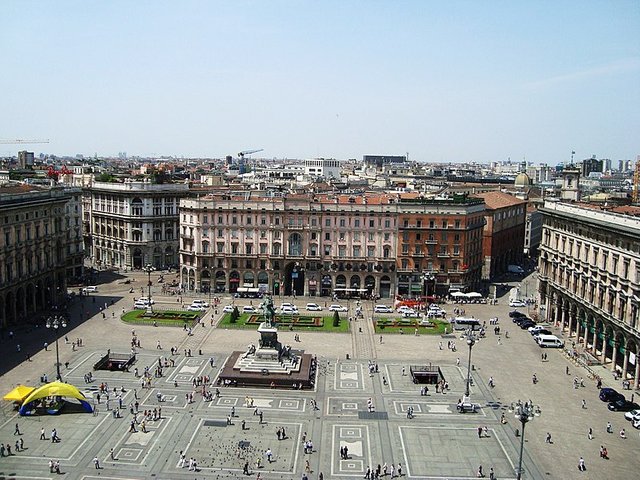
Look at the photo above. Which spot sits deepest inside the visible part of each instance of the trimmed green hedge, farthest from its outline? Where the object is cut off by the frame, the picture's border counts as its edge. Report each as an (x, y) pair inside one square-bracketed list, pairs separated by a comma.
[(311, 323), (409, 325), (162, 317)]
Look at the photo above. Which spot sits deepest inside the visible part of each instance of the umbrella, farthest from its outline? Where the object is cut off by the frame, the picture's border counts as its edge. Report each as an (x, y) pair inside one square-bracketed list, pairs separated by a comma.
[(474, 295), (19, 393), (458, 294)]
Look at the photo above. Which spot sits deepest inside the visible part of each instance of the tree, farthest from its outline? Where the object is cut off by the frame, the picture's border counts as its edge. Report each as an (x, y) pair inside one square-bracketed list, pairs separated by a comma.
[(235, 315), (336, 319)]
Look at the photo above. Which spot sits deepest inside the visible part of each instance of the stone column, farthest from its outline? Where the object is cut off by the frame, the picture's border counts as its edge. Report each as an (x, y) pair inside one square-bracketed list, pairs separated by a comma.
[(595, 338), (625, 363), (614, 354), (603, 354), (636, 380), (563, 318)]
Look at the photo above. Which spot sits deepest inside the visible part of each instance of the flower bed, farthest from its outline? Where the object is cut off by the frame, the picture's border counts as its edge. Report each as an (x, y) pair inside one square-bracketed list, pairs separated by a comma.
[(409, 325), (161, 317)]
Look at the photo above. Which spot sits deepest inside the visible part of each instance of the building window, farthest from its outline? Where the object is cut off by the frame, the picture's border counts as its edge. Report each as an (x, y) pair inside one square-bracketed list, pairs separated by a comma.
[(205, 219), (234, 248), (249, 248), (220, 247), (356, 222), (327, 236), (342, 251), (356, 252), (342, 222)]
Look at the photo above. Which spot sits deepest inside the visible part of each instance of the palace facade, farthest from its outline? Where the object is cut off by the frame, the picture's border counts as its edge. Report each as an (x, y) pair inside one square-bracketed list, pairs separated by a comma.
[(132, 224), (325, 244), (35, 246), (589, 281)]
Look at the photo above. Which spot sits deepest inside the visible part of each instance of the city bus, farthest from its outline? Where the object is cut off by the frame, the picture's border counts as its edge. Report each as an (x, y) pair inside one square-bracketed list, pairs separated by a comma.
[(462, 323)]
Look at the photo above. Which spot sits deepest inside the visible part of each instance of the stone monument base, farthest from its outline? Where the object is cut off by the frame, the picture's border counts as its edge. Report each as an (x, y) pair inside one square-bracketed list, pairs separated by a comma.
[(260, 369)]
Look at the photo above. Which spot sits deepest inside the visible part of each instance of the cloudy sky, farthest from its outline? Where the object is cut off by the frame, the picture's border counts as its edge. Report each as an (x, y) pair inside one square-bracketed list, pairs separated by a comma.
[(442, 80)]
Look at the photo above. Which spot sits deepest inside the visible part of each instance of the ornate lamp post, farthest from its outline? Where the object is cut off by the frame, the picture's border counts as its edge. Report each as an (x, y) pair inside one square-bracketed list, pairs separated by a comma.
[(149, 268), (471, 341), (56, 322), (524, 412)]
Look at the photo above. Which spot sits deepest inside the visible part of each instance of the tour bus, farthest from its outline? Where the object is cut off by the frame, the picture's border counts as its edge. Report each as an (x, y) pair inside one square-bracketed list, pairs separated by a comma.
[(461, 323)]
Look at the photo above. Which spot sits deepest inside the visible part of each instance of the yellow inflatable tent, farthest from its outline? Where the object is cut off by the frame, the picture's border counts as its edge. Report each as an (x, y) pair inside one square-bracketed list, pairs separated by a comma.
[(19, 393), (54, 389)]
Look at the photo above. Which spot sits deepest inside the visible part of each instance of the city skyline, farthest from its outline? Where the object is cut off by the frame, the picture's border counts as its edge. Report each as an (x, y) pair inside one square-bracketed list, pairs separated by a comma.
[(459, 82)]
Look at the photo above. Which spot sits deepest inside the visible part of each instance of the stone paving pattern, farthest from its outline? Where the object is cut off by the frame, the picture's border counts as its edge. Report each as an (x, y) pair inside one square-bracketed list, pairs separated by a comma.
[(436, 443)]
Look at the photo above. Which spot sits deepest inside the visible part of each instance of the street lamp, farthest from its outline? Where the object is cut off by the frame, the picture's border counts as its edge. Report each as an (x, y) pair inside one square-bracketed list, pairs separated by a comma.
[(149, 268), (471, 340), (524, 412), (55, 322)]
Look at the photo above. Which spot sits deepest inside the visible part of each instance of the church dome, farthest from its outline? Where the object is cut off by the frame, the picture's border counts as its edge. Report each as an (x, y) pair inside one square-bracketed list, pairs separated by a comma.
[(522, 180)]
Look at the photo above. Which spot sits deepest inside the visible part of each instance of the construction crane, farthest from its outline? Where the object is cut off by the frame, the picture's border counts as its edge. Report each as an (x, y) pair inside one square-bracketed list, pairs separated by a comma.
[(20, 141), (248, 152)]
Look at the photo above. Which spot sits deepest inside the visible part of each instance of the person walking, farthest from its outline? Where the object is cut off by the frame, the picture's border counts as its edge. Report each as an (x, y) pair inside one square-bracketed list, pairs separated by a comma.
[(42, 435), (17, 430), (581, 465), (548, 438), (96, 463), (590, 434)]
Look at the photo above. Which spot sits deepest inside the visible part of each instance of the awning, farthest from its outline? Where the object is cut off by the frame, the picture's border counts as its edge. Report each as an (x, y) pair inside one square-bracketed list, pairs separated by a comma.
[(19, 393)]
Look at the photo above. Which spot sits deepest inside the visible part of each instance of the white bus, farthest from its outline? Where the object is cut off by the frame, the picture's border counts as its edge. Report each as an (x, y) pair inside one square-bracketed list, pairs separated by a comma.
[(461, 323)]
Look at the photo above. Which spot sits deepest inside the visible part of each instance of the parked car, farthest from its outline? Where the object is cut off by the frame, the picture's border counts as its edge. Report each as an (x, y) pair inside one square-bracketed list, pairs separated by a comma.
[(338, 308), (200, 302), (288, 305), (544, 331), (248, 309), (196, 308), (516, 314), (313, 307), (520, 320), (403, 308), (536, 329), (410, 313), (632, 415), (609, 394), (636, 423), (228, 309), (145, 300), (289, 311), (622, 405), (549, 341), (517, 304), (90, 289), (140, 305), (382, 309), (528, 323)]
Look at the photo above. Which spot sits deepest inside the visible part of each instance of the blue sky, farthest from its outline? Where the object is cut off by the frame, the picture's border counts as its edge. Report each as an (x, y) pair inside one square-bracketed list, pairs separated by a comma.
[(444, 81)]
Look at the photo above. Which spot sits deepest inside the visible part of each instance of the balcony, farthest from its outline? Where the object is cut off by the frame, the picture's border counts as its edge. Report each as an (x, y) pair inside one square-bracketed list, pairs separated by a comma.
[(431, 242)]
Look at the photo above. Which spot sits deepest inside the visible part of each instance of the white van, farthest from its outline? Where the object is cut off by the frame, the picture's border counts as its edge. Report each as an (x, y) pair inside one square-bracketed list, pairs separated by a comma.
[(550, 341)]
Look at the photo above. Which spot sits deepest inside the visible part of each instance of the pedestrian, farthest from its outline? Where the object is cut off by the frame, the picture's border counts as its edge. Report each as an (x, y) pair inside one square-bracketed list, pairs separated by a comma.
[(623, 434), (609, 427), (17, 430), (269, 455), (111, 455), (96, 462), (480, 472), (42, 435), (590, 434), (479, 432), (21, 444), (584, 403), (492, 475), (581, 466)]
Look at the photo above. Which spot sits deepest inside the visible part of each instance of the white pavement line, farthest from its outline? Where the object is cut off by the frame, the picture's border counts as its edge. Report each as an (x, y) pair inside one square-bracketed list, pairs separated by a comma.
[(495, 433), (95, 429), (81, 362), (144, 459), (193, 435)]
